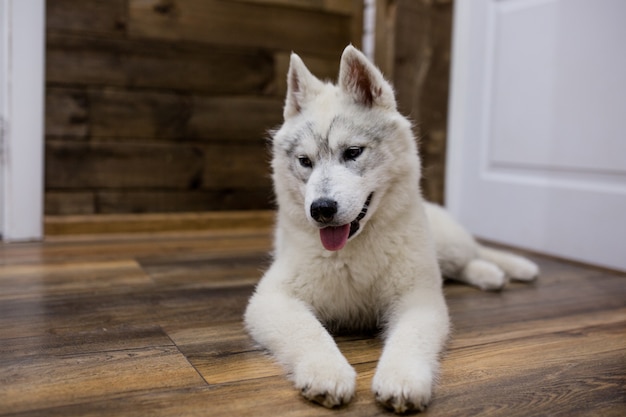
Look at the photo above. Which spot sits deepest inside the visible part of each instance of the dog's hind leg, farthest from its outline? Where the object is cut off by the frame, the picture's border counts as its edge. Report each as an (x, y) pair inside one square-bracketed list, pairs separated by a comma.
[(483, 274), (514, 266)]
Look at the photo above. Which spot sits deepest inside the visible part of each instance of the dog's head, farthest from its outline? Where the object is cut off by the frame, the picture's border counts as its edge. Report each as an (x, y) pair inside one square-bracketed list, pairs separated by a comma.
[(341, 148)]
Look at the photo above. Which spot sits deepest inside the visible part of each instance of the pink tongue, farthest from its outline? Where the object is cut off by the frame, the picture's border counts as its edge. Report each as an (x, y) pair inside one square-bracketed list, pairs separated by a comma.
[(335, 238)]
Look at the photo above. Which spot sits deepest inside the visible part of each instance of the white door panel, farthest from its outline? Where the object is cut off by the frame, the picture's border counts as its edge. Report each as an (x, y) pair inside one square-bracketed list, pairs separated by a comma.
[(537, 134)]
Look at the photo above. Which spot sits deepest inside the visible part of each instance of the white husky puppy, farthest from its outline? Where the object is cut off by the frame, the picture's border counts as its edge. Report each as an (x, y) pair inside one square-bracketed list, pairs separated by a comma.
[(353, 244)]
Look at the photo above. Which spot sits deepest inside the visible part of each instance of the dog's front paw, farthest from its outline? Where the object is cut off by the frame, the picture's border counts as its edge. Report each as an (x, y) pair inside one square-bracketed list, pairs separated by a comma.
[(328, 384), (403, 388)]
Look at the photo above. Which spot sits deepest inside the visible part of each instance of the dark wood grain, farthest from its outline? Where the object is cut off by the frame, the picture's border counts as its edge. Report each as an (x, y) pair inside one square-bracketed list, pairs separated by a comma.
[(150, 324), (422, 33), (70, 202), (104, 18), (164, 105), (103, 61), (176, 201), (238, 24), (112, 113), (131, 165), (169, 166)]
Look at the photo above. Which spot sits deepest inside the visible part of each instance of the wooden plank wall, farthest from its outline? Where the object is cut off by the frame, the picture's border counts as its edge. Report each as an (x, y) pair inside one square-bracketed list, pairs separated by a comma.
[(164, 105), (413, 41), (422, 72)]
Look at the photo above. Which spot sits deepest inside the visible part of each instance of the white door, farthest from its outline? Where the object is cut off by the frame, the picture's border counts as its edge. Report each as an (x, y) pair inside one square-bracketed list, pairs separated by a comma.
[(537, 131)]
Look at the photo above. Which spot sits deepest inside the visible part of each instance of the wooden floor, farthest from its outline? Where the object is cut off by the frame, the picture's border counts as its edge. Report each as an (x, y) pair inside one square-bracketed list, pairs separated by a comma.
[(150, 325)]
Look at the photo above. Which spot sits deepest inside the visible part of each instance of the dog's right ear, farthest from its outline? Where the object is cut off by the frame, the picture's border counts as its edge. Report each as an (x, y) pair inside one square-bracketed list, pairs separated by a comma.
[(302, 86), (362, 81)]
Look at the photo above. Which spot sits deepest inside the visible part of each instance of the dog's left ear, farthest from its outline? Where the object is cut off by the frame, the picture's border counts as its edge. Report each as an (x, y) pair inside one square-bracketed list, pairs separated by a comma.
[(359, 78)]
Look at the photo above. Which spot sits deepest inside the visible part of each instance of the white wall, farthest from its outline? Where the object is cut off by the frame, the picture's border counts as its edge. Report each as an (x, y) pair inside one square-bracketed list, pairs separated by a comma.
[(22, 32)]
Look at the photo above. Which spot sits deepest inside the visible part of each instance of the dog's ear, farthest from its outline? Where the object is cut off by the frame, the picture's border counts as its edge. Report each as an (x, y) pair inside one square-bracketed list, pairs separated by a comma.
[(359, 78), (302, 86)]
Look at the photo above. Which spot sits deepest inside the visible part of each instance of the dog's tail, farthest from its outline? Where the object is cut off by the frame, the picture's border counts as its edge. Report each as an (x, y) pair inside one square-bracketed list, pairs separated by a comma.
[(514, 266)]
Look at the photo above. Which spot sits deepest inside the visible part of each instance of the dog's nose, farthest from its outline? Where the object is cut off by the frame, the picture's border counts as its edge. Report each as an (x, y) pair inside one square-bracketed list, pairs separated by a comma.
[(323, 210)]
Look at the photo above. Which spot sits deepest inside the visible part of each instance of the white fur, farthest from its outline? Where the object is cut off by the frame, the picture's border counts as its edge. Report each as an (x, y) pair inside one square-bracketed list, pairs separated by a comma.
[(387, 275), (463, 259)]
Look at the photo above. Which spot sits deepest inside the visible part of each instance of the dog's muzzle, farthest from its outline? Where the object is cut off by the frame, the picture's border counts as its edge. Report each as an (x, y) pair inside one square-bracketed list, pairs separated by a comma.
[(334, 238)]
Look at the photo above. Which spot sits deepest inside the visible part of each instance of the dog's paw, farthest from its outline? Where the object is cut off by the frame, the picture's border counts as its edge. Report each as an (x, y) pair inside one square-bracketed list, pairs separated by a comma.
[(523, 269), (484, 275), (403, 388), (328, 384)]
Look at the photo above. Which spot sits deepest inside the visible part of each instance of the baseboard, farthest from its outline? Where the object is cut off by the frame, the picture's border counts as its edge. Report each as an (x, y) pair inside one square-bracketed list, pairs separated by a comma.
[(168, 222)]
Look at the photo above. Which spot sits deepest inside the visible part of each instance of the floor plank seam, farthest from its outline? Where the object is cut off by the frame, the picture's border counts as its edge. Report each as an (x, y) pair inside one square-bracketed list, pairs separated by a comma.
[(186, 358)]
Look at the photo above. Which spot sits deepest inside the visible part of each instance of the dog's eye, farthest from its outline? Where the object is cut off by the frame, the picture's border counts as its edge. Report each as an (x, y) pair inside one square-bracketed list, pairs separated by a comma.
[(352, 153), (305, 161)]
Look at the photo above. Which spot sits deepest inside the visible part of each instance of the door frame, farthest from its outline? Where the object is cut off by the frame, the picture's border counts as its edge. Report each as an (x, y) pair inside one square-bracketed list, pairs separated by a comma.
[(464, 119), (22, 72)]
